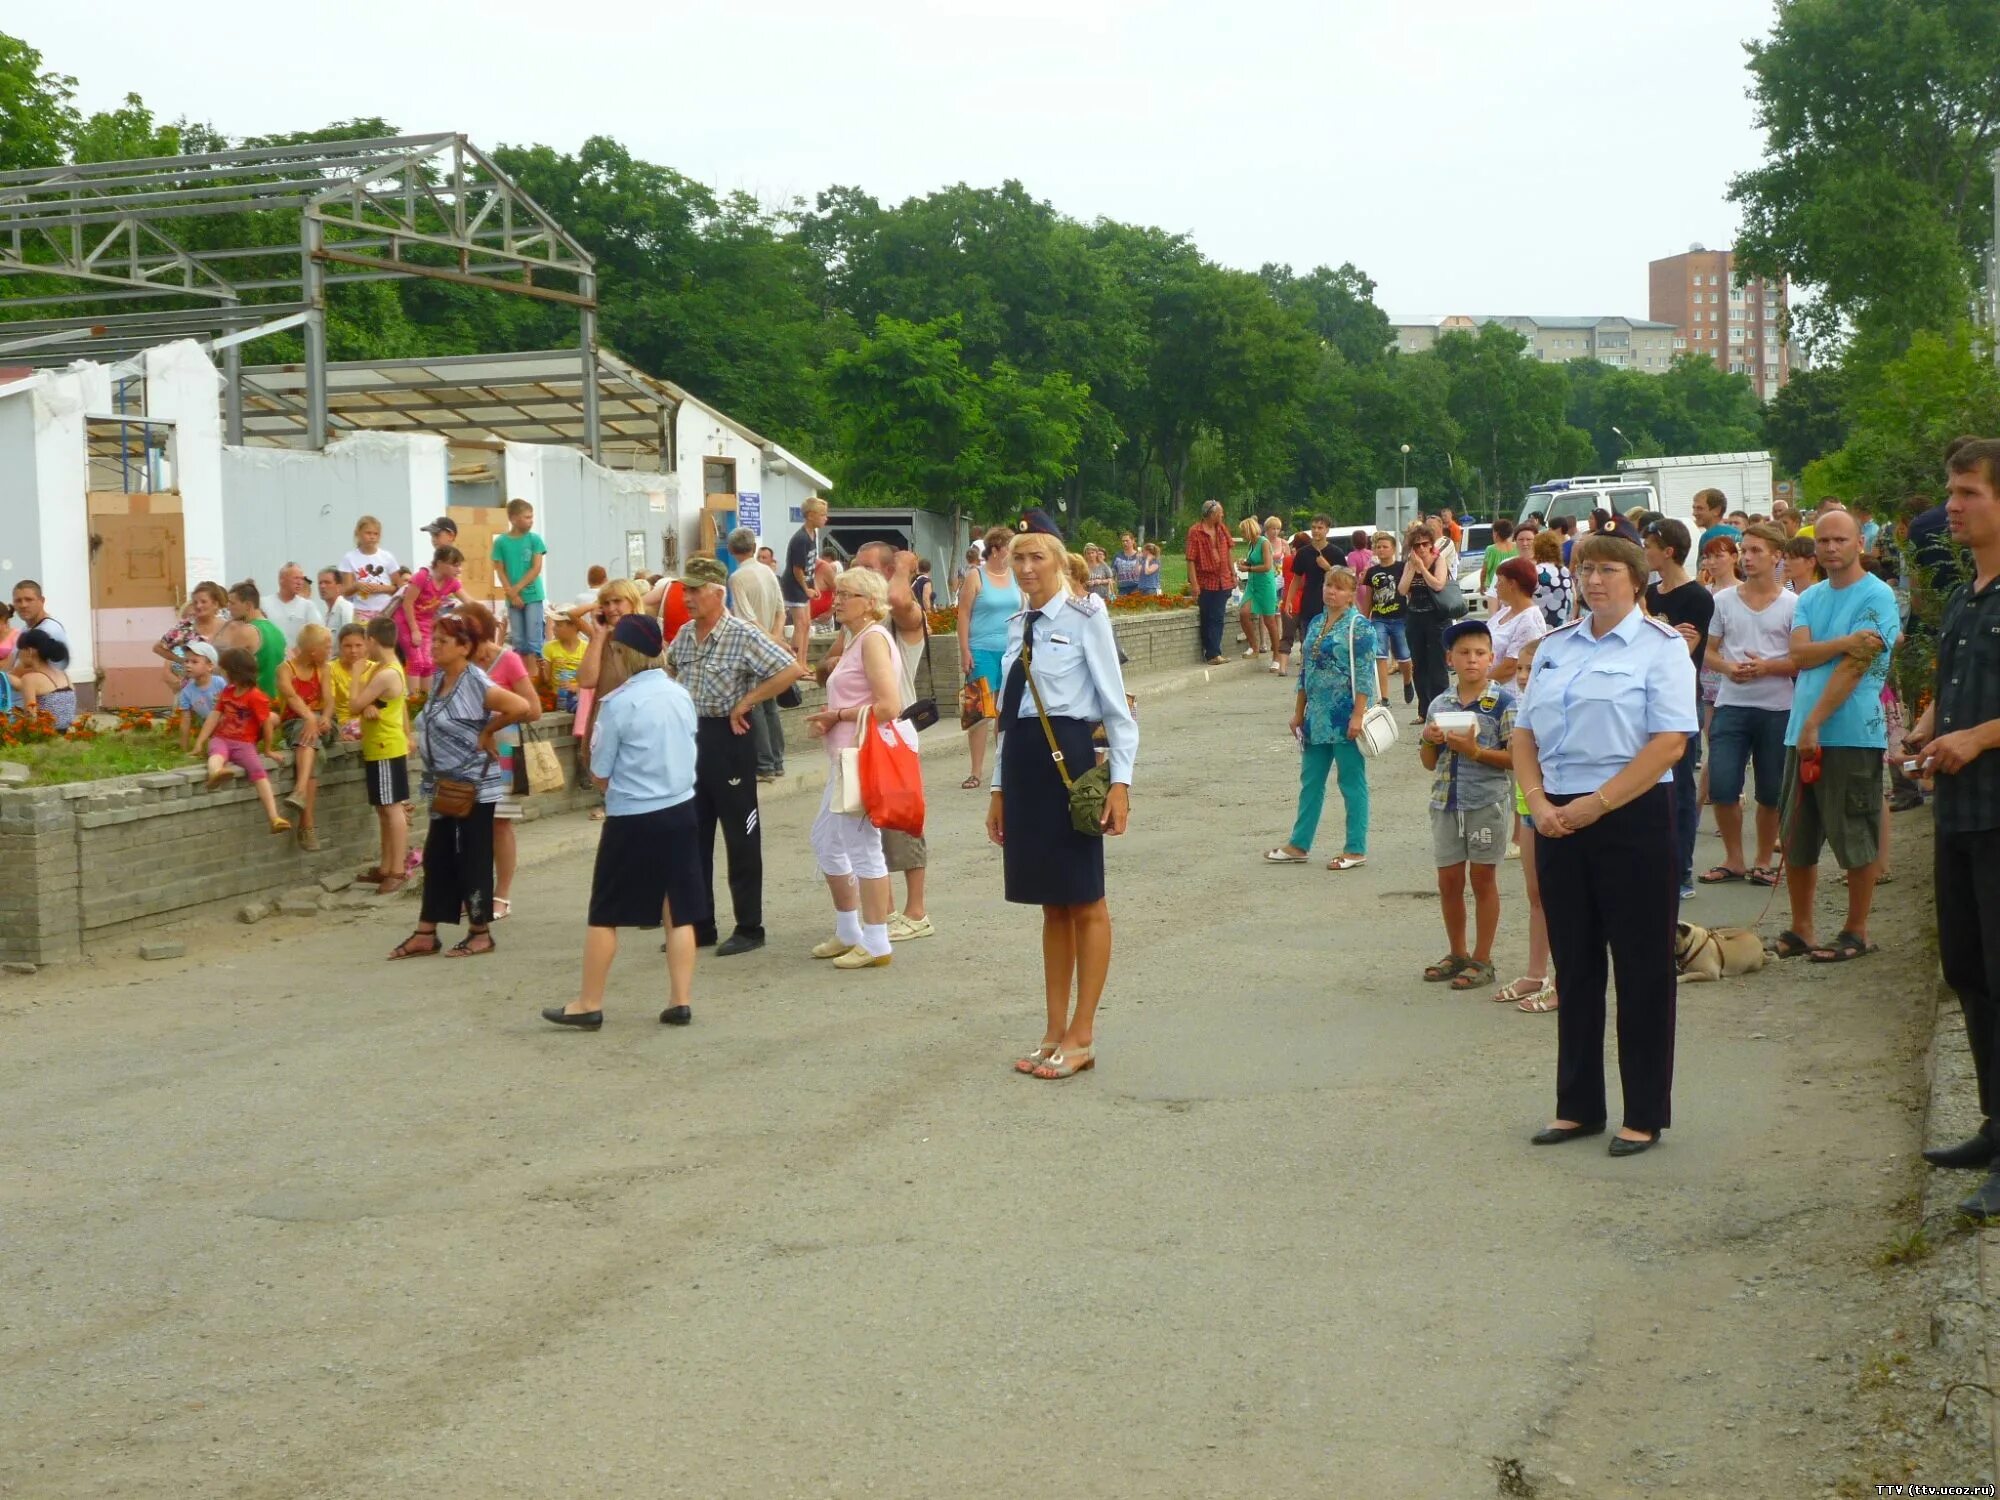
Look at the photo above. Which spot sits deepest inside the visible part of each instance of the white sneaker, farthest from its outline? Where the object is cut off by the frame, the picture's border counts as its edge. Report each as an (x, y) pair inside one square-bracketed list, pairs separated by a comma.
[(901, 928)]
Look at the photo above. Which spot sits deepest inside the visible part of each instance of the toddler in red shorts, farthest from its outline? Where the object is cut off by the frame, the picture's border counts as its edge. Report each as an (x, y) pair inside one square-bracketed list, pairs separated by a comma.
[(233, 729)]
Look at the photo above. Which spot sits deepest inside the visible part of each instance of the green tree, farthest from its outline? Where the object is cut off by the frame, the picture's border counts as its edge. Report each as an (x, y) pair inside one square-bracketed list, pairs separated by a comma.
[(37, 120), (1807, 419), (1510, 412), (124, 133), (1338, 306), (1880, 120), (1904, 415)]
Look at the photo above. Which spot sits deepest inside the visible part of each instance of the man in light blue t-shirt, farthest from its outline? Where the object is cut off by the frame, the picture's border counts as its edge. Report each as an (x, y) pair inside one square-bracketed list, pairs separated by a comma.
[(1843, 632)]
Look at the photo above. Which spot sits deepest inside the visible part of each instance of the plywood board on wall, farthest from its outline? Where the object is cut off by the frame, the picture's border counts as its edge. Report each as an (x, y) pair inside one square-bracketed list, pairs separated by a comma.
[(478, 525)]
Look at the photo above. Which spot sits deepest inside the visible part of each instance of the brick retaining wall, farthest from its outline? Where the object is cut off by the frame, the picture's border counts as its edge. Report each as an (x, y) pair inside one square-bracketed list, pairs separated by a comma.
[(94, 862)]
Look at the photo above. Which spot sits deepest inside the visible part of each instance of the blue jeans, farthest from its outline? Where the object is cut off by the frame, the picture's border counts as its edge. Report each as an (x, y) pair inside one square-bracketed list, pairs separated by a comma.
[(1395, 638), (1213, 604), (1314, 763), (524, 631), (1739, 737)]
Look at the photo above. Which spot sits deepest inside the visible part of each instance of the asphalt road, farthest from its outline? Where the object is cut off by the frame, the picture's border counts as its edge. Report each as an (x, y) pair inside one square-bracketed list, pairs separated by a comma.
[(282, 1220)]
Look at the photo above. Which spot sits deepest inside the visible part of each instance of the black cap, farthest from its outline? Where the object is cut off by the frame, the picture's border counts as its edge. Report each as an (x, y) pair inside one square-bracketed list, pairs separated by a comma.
[(442, 523), (1038, 520)]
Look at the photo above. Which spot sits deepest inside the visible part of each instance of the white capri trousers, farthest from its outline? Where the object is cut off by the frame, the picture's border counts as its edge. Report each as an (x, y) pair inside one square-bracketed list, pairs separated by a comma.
[(846, 843)]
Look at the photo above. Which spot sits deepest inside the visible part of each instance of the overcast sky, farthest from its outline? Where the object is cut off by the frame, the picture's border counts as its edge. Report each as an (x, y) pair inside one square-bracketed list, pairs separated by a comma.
[(1472, 157)]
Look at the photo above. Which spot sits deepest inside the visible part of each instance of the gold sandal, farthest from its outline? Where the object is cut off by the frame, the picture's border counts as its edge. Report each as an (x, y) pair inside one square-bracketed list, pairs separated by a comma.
[(1036, 1058)]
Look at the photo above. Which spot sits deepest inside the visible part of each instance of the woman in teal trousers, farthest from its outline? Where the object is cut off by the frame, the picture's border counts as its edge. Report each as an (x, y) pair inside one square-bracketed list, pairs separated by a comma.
[(1336, 680)]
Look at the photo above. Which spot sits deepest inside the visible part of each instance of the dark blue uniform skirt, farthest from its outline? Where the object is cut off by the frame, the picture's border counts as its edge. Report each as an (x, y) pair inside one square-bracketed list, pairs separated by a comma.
[(1048, 862)]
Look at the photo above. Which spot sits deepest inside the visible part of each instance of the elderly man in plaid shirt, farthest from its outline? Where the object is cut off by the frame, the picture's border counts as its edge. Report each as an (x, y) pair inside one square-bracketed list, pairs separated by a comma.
[(1212, 575), (728, 668)]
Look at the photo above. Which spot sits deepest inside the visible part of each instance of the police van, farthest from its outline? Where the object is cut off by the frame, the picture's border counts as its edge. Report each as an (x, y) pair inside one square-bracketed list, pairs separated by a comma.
[(1577, 497)]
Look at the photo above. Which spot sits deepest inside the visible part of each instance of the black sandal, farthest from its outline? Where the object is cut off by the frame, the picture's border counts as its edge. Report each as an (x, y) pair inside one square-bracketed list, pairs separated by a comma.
[(1790, 945), (463, 947), (404, 950), (1842, 948)]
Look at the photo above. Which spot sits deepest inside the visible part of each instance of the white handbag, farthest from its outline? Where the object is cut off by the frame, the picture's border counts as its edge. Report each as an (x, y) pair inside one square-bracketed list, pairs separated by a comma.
[(1379, 731), (847, 773)]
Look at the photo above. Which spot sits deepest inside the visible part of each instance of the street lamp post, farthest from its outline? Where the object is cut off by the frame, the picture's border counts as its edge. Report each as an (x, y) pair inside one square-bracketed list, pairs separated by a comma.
[(1406, 466), (1629, 444)]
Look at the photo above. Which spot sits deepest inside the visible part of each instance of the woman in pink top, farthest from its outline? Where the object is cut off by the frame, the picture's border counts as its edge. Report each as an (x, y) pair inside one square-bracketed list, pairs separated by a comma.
[(417, 611), (868, 677), (507, 670)]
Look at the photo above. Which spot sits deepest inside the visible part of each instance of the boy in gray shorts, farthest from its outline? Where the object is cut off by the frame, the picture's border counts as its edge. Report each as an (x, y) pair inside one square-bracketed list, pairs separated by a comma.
[(1472, 811)]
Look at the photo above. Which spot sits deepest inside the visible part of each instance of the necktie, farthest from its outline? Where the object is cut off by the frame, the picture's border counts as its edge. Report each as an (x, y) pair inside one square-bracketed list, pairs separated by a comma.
[(1017, 675)]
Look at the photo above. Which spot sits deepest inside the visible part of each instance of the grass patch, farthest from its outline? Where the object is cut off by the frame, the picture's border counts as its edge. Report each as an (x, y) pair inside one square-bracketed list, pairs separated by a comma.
[(1908, 1249), (114, 753)]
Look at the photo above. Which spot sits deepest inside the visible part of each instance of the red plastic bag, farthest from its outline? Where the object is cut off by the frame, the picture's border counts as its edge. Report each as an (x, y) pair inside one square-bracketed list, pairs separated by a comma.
[(892, 777)]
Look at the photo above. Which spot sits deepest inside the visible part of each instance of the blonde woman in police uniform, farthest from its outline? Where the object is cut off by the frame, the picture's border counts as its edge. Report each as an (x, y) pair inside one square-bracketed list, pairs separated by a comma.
[(1609, 707), (1068, 643)]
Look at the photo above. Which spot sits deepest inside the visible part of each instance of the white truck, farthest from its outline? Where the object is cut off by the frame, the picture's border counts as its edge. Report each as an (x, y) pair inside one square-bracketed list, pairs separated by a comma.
[(1745, 478)]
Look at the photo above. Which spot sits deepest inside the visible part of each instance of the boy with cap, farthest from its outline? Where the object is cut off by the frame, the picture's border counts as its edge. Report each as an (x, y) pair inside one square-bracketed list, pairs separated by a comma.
[(1472, 810), (728, 667), (198, 694)]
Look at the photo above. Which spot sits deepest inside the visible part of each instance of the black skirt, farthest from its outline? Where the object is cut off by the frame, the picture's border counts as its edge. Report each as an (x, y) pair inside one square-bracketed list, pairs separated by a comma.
[(1048, 862), (646, 864)]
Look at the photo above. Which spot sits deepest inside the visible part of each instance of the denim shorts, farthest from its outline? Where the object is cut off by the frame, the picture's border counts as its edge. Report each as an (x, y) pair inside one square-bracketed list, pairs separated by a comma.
[(1395, 634), (1737, 736)]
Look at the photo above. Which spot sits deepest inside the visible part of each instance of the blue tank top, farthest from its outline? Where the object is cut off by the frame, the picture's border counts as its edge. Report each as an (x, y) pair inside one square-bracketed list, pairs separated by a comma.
[(992, 607)]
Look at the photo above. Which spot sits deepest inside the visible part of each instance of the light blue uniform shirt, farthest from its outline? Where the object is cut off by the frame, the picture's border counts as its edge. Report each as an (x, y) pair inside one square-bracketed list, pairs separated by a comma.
[(1076, 668), (643, 745), (1825, 612), (1594, 701)]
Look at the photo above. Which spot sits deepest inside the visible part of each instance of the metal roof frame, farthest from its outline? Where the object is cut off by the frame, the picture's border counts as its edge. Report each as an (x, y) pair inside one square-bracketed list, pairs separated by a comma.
[(534, 396), (430, 206)]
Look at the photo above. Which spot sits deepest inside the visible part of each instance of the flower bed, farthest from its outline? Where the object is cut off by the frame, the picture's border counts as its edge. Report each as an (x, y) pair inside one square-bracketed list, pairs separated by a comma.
[(140, 741), (945, 621)]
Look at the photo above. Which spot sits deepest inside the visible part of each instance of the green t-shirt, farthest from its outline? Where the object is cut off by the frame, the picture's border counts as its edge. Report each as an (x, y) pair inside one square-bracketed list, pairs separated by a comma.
[(517, 554), (270, 655), (1490, 563)]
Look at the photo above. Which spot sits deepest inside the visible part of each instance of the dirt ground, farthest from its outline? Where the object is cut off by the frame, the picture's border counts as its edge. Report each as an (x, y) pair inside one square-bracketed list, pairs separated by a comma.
[(281, 1220)]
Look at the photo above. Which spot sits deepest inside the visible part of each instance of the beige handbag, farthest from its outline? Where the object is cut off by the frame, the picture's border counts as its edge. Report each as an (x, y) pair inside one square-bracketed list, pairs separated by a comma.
[(545, 772), (847, 773)]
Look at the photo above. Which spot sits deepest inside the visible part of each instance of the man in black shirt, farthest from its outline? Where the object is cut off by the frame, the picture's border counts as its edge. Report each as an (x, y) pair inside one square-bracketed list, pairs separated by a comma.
[(795, 583), (1312, 559), (1957, 741), (1686, 604)]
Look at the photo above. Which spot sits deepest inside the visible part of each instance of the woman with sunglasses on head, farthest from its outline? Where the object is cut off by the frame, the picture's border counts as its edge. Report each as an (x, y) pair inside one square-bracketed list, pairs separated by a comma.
[(1607, 715), (1425, 573)]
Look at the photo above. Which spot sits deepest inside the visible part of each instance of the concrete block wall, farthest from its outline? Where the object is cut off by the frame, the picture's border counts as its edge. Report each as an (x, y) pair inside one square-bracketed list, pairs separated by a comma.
[(85, 866)]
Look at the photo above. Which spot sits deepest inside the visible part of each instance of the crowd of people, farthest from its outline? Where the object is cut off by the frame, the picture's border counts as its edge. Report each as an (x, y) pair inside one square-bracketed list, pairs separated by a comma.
[(1626, 674), (1621, 678)]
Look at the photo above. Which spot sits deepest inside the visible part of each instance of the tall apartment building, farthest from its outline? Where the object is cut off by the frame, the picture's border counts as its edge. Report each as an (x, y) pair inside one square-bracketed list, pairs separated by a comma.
[(1624, 343), (1736, 326)]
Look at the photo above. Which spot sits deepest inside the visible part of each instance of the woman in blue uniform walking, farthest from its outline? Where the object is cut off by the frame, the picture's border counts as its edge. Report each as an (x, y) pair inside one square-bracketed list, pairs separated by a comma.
[(1065, 644)]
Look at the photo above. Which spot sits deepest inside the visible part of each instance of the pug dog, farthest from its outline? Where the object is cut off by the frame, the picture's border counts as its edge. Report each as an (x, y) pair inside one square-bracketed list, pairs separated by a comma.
[(1719, 953)]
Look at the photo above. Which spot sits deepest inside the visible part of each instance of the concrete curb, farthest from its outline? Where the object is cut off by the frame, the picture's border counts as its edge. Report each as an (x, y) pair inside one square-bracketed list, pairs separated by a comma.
[(573, 832), (1968, 1265)]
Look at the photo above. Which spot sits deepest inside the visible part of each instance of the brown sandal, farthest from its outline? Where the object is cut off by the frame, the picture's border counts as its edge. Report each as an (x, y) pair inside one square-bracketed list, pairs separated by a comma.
[(464, 948), (404, 950)]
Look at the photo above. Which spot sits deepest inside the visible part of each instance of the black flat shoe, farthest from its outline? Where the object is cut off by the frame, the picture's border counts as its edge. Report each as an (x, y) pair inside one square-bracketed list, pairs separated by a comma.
[(1555, 1135), (1984, 1203), (584, 1020), (739, 942), (1975, 1152), (677, 1015), (1622, 1147)]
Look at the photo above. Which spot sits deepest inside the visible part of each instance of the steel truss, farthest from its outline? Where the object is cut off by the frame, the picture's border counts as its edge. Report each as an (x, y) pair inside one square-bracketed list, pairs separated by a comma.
[(197, 233)]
